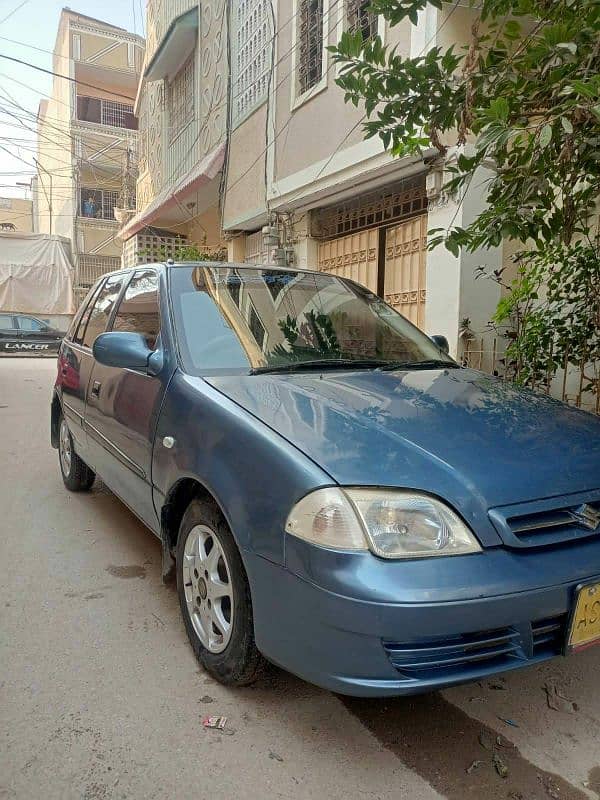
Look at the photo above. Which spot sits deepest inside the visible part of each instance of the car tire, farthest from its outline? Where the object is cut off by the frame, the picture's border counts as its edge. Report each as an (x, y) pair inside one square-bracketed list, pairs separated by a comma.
[(214, 595), (76, 474)]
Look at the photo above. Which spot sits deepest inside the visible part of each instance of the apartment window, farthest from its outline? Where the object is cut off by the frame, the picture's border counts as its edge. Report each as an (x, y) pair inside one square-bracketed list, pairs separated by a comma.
[(253, 41), (98, 203), (359, 18), (105, 112), (309, 44), (181, 98)]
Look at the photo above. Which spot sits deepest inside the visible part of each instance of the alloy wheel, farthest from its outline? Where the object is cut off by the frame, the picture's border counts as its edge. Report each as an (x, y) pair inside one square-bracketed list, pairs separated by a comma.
[(208, 588), (65, 448)]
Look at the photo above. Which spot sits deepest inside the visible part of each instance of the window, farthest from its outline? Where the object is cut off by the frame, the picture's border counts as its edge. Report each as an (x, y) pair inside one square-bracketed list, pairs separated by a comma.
[(102, 308), (138, 311), (181, 98), (98, 203), (30, 324), (6, 322), (359, 18), (310, 44), (106, 112), (253, 41)]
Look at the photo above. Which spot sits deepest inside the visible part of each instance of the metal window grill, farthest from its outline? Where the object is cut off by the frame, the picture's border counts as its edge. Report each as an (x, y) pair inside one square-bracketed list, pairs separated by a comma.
[(181, 98), (359, 18), (90, 268), (115, 114), (252, 63), (398, 201), (310, 44), (98, 203)]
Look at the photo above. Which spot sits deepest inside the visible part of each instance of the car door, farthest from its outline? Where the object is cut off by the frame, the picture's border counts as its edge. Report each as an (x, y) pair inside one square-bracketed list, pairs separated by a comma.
[(123, 404), (75, 361), (36, 335)]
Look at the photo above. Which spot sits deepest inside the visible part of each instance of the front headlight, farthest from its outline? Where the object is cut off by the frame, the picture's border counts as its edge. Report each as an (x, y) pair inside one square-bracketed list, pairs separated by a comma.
[(391, 523)]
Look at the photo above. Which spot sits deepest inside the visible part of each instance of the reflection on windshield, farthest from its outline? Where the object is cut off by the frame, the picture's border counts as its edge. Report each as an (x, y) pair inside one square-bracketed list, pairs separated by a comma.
[(230, 318)]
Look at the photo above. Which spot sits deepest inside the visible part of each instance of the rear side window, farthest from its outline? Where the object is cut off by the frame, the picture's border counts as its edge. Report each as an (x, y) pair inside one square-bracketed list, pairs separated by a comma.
[(102, 308), (6, 322), (138, 311)]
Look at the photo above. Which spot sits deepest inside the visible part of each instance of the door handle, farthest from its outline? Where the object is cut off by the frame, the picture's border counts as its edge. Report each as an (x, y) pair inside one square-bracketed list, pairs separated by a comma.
[(96, 389)]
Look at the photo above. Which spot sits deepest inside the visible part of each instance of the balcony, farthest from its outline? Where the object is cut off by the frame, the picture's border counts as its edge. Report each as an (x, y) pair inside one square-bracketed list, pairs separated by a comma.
[(110, 113)]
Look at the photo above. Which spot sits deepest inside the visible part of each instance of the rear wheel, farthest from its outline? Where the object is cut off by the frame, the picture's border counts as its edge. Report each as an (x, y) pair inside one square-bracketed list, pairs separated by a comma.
[(214, 596), (77, 476)]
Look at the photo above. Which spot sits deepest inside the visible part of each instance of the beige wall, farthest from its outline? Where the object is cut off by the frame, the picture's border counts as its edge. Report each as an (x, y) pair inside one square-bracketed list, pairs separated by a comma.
[(247, 197), (322, 124), (18, 212)]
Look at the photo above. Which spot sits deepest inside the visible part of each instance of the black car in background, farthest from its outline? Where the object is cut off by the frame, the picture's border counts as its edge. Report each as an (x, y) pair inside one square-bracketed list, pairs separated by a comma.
[(22, 334)]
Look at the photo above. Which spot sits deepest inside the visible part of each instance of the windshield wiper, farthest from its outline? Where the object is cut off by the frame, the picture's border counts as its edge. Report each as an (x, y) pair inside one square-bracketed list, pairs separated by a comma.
[(432, 363), (322, 364)]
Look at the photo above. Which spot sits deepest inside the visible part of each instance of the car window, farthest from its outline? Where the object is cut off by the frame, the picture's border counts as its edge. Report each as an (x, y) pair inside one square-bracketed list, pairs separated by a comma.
[(102, 308), (138, 311), (30, 324), (6, 322)]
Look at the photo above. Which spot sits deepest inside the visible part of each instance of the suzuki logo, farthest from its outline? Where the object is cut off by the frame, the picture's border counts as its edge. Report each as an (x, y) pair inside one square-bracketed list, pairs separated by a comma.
[(588, 516)]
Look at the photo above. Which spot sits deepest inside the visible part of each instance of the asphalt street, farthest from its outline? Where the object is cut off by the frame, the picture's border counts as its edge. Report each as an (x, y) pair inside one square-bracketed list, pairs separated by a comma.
[(101, 696)]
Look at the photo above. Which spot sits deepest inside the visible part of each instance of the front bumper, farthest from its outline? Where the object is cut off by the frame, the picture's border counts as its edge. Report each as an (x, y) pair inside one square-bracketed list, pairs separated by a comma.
[(333, 635)]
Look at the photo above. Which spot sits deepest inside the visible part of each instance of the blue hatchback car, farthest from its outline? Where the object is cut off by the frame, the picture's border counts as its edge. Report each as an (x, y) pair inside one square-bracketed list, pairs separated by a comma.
[(334, 493)]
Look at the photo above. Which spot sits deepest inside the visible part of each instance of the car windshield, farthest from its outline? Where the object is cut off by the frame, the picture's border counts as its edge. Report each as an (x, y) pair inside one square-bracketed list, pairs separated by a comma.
[(232, 319)]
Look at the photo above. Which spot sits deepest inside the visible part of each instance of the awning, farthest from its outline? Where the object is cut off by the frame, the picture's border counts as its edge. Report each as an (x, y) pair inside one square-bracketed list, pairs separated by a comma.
[(175, 48), (201, 174)]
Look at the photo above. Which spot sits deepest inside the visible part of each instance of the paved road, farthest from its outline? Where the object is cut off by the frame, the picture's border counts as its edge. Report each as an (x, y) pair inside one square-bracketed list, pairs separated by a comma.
[(101, 696)]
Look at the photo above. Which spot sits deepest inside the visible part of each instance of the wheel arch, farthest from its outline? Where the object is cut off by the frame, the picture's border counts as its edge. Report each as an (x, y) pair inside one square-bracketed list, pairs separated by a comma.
[(177, 500)]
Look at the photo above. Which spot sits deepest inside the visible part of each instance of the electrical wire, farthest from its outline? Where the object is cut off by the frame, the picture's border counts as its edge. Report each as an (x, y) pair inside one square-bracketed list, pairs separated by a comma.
[(63, 77)]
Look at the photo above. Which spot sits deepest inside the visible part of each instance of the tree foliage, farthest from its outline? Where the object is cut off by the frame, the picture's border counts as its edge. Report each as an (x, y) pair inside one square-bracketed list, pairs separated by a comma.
[(521, 97)]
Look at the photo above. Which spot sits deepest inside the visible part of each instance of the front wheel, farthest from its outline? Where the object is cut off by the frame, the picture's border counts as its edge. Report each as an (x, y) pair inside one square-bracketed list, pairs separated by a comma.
[(76, 474), (214, 596)]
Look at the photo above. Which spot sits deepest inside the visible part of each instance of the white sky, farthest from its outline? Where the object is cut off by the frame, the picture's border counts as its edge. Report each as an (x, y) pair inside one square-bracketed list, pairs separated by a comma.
[(34, 23)]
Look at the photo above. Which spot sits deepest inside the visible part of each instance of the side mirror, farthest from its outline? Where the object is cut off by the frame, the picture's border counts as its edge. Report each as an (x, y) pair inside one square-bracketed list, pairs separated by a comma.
[(127, 351), (441, 342)]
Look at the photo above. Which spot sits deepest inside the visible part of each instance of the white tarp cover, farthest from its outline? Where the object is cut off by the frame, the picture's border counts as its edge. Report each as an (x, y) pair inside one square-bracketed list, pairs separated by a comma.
[(35, 274)]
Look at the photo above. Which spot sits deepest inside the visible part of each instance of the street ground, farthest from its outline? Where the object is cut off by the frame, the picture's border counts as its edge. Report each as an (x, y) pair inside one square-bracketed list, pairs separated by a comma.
[(101, 696)]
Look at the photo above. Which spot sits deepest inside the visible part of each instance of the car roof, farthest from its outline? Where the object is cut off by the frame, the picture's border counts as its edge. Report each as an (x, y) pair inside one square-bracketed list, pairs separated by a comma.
[(170, 264)]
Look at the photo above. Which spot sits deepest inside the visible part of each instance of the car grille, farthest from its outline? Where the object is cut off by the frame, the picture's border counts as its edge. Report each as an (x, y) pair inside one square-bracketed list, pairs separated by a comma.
[(548, 635), (476, 653), (543, 523)]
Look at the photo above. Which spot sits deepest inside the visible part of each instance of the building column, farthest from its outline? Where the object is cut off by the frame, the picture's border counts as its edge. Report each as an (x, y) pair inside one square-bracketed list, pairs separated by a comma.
[(453, 291), (306, 249)]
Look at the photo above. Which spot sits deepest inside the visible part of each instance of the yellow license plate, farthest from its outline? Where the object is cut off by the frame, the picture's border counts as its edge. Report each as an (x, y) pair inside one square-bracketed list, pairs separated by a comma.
[(585, 620)]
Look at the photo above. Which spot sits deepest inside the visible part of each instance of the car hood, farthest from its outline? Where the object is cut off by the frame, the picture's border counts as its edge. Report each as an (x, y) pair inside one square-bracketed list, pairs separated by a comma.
[(456, 433)]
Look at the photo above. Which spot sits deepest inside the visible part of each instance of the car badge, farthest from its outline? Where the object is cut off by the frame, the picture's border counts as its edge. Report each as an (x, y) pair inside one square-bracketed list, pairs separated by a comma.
[(588, 516)]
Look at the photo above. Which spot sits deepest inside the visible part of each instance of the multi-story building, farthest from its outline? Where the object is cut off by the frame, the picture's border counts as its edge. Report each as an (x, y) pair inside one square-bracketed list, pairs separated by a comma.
[(305, 187), (182, 105), (87, 141)]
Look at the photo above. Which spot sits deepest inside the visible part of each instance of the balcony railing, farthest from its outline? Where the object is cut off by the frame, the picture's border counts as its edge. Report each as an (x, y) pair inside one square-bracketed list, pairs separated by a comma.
[(106, 112)]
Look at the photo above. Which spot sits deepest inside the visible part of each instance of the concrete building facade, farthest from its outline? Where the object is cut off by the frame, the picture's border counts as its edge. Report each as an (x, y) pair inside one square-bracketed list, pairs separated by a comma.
[(87, 141), (16, 214), (182, 104)]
